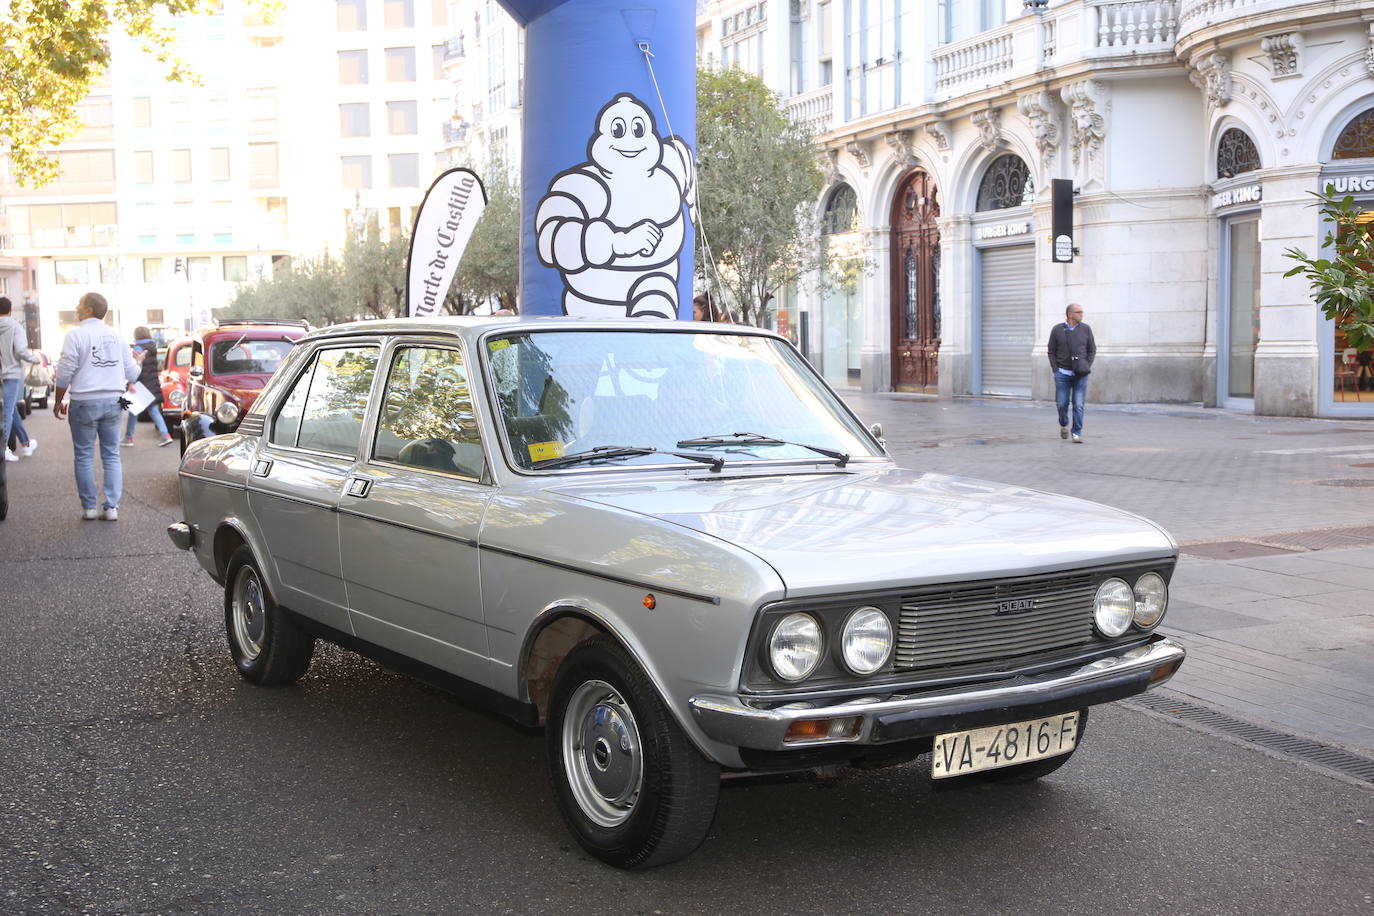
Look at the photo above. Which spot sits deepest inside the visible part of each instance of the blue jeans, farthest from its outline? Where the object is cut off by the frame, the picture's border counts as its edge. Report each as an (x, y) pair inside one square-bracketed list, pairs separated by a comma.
[(12, 388), (1066, 386), (17, 427), (92, 420), (155, 411)]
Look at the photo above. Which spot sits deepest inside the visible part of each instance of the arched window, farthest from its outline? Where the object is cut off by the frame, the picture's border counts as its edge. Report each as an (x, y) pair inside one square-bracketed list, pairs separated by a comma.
[(1236, 153), (1006, 184), (841, 211), (1357, 140)]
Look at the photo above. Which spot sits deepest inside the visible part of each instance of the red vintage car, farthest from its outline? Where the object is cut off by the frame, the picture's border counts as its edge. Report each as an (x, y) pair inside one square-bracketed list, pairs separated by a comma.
[(217, 372)]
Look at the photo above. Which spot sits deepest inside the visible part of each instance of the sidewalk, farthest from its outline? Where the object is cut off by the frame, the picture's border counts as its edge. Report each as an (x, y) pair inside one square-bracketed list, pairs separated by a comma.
[(1274, 593)]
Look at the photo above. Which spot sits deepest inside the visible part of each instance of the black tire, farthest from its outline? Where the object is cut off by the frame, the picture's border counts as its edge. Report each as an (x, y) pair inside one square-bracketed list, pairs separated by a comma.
[(267, 646), (631, 787), (1029, 772), (41, 403)]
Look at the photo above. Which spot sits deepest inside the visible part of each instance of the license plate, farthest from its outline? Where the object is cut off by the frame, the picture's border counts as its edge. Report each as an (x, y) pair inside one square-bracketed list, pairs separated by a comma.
[(959, 753)]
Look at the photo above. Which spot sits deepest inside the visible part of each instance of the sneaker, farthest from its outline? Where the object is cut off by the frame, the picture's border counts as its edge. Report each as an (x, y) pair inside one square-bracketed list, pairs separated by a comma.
[(109, 514), (90, 514), (1077, 439), (27, 450), (1063, 432), (10, 456), (166, 440), (127, 442)]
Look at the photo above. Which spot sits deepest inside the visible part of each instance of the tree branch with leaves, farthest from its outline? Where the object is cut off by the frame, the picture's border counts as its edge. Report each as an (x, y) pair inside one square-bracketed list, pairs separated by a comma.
[(1343, 282)]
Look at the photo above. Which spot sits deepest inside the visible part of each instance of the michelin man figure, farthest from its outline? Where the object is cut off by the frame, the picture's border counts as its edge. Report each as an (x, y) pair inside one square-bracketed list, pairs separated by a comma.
[(614, 225)]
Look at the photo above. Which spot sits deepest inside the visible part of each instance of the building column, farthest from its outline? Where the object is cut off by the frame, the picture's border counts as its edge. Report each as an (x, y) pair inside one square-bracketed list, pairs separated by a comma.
[(956, 305), (876, 359), (1286, 357)]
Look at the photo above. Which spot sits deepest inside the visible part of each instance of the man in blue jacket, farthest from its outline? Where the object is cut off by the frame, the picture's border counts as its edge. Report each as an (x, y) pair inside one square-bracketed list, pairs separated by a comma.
[(1072, 351)]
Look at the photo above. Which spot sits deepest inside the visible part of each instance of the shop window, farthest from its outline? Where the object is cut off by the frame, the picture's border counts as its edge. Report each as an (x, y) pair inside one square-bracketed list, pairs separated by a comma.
[(841, 212), (1006, 184), (1236, 154), (1357, 140)]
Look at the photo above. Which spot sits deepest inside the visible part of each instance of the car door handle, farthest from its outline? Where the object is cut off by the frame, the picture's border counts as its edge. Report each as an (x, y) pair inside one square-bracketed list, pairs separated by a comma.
[(262, 467), (359, 487)]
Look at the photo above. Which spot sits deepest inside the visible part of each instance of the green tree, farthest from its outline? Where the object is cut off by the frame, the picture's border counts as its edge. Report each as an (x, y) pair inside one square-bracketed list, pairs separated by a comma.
[(1343, 283), (490, 268), (53, 52), (758, 179)]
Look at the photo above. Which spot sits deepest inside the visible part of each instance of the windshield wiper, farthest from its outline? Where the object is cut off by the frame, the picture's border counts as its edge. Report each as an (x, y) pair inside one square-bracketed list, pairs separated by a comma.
[(602, 452), (841, 458)]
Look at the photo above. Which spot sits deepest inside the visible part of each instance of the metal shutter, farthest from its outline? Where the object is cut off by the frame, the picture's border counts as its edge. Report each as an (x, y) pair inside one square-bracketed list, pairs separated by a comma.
[(1008, 320)]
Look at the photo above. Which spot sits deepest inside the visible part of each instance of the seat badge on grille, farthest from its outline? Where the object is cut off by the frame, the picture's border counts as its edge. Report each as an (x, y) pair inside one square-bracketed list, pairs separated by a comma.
[(1015, 606)]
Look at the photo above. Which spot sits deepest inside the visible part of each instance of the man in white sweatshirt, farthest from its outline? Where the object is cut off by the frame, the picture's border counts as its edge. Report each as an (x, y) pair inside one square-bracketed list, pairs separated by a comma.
[(96, 368), (14, 352)]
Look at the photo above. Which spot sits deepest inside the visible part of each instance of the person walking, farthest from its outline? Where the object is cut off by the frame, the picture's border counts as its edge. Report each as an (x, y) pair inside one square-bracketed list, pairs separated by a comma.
[(145, 354), (13, 354), (96, 368), (1072, 351)]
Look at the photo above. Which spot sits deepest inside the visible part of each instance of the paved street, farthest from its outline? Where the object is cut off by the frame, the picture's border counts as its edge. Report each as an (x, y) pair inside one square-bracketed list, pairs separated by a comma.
[(140, 774)]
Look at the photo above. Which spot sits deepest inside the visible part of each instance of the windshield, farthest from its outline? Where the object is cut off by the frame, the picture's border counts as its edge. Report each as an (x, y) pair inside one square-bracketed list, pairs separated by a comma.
[(568, 392), (234, 356)]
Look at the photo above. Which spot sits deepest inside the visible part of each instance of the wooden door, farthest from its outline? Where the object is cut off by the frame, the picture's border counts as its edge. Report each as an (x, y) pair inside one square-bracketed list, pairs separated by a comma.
[(915, 285)]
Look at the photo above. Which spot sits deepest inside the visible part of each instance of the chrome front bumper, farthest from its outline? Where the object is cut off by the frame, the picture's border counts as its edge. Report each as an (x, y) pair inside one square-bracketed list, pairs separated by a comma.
[(914, 715)]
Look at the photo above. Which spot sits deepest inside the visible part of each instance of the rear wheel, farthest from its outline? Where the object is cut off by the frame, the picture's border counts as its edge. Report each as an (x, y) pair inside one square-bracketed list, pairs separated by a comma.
[(1029, 772), (632, 788), (268, 647)]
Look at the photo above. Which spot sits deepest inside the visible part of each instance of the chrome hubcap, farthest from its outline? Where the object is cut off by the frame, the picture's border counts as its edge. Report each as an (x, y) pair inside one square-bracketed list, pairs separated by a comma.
[(602, 756), (249, 613)]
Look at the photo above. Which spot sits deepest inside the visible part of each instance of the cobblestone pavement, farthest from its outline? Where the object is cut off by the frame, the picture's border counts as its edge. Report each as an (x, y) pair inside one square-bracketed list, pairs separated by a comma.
[(1276, 516)]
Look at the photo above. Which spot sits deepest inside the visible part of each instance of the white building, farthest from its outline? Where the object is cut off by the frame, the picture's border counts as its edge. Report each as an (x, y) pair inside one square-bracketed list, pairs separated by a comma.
[(1193, 132), (486, 66), (175, 194)]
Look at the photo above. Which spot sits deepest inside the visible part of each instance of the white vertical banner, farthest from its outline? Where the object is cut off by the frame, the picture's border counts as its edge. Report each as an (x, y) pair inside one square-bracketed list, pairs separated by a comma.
[(442, 229)]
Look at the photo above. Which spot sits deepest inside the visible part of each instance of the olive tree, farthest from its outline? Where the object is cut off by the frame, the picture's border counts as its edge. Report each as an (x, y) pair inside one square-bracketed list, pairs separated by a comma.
[(758, 180)]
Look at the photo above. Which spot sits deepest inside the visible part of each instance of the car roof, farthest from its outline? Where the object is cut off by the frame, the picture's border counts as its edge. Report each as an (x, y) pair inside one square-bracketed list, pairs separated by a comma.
[(472, 326)]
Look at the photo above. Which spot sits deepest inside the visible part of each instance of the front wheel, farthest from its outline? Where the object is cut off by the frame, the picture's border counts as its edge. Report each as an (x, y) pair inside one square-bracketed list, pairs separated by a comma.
[(268, 647), (1029, 772), (632, 788)]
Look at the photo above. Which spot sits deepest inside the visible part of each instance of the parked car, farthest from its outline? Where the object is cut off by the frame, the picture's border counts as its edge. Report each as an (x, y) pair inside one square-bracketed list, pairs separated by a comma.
[(673, 546), (39, 381), (175, 379), (229, 364)]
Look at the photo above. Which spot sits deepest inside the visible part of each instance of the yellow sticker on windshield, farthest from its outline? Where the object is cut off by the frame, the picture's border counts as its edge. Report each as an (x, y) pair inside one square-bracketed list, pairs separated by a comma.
[(498, 344), (539, 451)]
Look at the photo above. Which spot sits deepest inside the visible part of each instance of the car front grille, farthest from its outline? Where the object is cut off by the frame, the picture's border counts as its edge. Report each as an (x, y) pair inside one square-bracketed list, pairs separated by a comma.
[(983, 621)]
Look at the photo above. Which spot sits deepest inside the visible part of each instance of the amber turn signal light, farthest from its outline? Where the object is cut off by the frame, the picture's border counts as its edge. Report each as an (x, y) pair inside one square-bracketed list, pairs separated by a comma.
[(649, 602), (822, 729)]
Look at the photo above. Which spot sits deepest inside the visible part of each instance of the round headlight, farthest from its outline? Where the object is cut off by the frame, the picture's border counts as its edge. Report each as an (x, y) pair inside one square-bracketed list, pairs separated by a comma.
[(227, 412), (1113, 607), (1151, 598), (794, 649), (177, 397), (867, 641)]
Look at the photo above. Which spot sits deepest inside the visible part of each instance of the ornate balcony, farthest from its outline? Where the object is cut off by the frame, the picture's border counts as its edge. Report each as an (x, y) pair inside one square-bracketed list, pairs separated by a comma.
[(814, 109), (1097, 31)]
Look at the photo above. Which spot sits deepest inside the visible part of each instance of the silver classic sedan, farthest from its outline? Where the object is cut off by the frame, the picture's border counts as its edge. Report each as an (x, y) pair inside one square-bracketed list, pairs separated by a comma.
[(673, 546)]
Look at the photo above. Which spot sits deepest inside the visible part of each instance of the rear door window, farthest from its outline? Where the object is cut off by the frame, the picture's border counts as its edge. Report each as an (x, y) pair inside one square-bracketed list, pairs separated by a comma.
[(332, 419)]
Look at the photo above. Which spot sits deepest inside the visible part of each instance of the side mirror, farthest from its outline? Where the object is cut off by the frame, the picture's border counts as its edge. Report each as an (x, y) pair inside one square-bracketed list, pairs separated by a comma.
[(197, 372), (876, 431)]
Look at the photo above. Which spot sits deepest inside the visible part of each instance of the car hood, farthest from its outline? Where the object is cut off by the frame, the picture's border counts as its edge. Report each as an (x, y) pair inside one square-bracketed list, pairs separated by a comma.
[(888, 527)]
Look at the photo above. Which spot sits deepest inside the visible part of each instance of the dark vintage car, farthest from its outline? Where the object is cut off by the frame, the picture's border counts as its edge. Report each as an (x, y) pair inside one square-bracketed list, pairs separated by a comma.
[(674, 547), (225, 370)]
